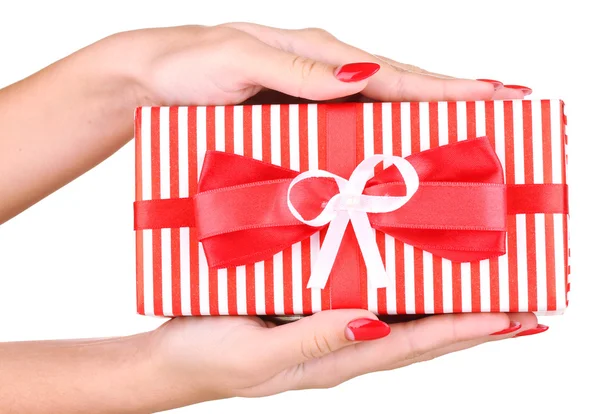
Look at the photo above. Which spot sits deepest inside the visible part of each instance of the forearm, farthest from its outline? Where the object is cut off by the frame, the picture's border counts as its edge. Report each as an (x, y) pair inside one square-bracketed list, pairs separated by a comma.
[(63, 120), (106, 375)]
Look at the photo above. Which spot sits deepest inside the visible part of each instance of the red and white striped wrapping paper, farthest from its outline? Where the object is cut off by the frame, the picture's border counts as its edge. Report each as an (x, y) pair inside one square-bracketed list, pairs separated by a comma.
[(172, 274)]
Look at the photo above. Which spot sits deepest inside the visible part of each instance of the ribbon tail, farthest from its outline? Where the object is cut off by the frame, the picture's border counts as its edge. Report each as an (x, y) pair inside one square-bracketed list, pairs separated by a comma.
[(329, 250), (376, 274)]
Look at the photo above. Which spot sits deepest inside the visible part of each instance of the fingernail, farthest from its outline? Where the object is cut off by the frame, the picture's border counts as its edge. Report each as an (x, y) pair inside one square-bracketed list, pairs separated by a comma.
[(366, 329), (497, 84), (514, 326), (354, 72), (526, 91), (538, 329)]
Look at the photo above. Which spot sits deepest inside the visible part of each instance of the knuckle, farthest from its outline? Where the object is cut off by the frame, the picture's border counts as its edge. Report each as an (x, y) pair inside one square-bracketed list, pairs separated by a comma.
[(315, 347), (319, 33)]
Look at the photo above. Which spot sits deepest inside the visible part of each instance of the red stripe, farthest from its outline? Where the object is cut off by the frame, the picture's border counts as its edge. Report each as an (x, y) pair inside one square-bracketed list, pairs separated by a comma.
[(360, 155), (494, 275), (156, 234), (266, 156), (322, 137), (288, 307), (548, 218), (231, 273), (530, 218), (305, 245), (250, 276), (379, 236), (139, 239), (475, 266), (415, 143), (398, 246), (456, 271), (509, 151), (174, 193), (213, 279), (192, 186), (434, 142)]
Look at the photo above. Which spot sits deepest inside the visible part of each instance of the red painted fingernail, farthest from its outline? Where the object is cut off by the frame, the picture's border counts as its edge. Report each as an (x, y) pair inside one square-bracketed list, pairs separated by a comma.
[(526, 91), (514, 326), (366, 329), (538, 329), (354, 72), (497, 84)]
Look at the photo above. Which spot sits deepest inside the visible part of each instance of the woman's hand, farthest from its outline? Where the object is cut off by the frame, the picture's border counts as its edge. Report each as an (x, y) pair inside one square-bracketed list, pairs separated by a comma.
[(206, 358)]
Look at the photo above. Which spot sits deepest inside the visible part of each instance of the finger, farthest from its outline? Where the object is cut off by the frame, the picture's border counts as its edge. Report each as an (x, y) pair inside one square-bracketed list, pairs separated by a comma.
[(412, 68), (406, 341), (318, 335), (519, 322)]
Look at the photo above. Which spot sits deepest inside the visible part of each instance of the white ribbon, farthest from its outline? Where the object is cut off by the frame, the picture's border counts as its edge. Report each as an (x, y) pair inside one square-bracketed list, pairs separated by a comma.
[(351, 205)]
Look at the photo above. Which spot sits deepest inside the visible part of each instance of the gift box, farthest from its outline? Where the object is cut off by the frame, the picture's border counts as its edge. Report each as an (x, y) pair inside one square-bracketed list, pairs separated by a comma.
[(399, 208)]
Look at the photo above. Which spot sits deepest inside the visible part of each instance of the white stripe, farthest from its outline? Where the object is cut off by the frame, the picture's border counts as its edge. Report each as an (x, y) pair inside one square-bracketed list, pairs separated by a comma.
[(369, 150), (409, 279), (184, 259), (146, 138), (425, 143), (294, 138), (557, 142), (443, 122), (240, 275), (165, 192), (147, 195), (405, 128), (390, 244), (238, 130), (465, 286), (223, 308), (461, 121), (484, 285), (257, 132), (503, 281), (428, 282), (259, 288), (204, 297), (278, 283), (148, 273), (220, 128), (538, 146), (519, 154), (184, 232), (559, 262), (275, 135), (540, 255), (479, 119), (447, 286), (522, 263), (313, 163), (167, 295)]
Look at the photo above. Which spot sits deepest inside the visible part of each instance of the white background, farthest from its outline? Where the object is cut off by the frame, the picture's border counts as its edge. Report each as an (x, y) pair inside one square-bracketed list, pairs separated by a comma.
[(67, 264)]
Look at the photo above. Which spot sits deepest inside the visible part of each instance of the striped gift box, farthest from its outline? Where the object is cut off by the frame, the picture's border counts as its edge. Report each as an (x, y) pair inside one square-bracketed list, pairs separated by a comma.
[(173, 277)]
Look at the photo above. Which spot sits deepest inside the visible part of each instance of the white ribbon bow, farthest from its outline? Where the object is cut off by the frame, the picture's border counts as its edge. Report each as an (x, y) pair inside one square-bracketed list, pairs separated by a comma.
[(351, 205)]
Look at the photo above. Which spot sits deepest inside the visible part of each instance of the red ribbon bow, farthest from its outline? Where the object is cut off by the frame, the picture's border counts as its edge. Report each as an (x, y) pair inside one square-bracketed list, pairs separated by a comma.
[(459, 211)]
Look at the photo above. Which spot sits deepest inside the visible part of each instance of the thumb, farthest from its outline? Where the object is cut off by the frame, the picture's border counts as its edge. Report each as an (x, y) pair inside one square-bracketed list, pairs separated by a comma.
[(307, 78), (320, 334)]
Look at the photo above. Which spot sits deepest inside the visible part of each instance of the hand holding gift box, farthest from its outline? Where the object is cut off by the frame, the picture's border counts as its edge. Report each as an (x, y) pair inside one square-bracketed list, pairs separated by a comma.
[(473, 220)]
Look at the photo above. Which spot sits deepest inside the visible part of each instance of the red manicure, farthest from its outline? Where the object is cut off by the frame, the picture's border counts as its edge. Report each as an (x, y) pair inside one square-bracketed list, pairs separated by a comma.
[(497, 84), (538, 329), (514, 326), (526, 91), (354, 72), (366, 329)]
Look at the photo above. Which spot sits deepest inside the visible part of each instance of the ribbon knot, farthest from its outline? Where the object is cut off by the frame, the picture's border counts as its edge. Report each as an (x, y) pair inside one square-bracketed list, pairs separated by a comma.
[(350, 205)]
